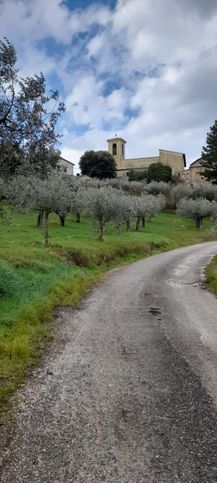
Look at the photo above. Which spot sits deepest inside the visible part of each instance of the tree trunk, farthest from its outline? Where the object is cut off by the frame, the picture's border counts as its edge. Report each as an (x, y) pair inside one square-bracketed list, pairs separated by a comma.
[(101, 231), (128, 227), (143, 222), (198, 222), (40, 219), (138, 223), (117, 226), (46, 229), (62, 220), (77, 217)]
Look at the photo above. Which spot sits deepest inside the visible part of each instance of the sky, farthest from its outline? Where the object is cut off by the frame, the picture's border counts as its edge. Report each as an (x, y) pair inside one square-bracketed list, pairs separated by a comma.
[(145, 70)]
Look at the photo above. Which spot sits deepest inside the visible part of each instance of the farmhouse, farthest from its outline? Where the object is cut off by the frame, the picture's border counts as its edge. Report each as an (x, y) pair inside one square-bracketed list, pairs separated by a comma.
[(66, 166), (116, 147)]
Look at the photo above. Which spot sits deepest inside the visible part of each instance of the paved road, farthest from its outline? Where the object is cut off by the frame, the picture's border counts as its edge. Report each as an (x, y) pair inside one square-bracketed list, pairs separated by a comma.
[(128, 393)]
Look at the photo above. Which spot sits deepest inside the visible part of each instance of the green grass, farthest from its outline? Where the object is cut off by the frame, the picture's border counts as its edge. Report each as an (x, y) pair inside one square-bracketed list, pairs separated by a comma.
[(35, 280), (211, 275)]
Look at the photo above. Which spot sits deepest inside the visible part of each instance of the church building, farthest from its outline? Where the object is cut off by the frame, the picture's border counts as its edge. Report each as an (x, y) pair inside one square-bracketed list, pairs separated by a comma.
[(116, 147), (193, 176)]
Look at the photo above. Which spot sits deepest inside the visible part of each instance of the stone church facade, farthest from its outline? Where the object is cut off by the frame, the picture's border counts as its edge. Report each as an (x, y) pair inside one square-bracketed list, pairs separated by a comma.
[(116, 147)]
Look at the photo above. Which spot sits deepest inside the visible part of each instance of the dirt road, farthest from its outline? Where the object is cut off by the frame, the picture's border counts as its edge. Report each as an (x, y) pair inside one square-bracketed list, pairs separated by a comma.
[(128, 393)]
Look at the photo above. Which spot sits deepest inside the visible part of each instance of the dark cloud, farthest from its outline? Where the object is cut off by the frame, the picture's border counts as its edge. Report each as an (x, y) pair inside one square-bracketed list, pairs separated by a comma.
[(204, 8)]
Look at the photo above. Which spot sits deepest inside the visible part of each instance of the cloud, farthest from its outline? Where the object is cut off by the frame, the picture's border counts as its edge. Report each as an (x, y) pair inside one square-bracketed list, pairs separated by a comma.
[(145, 69), (87, 105), (30, 20)]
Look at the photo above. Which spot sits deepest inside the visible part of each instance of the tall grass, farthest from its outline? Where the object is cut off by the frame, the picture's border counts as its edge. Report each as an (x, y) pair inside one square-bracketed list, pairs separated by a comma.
[(211, 275)]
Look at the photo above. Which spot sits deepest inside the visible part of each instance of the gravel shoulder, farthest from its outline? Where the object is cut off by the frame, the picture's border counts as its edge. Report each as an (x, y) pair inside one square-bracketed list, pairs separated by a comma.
[(128, 392)]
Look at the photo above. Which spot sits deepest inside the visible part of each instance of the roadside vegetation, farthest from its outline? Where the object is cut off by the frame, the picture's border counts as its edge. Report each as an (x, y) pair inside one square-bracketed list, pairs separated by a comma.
[(211, 275)]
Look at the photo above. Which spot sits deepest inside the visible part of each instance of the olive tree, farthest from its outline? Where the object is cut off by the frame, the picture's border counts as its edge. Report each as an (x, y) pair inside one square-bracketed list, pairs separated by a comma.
[(77, 187), (31, 193), (29, 115), (147, 206), (124, 210), (205, 191), (197, 209), (156, 187), (101, 205), (179, 192)]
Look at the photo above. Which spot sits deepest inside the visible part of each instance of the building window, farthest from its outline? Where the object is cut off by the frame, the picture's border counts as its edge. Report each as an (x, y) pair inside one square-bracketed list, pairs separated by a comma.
[(114, 149), (65, 169), (123, 150)]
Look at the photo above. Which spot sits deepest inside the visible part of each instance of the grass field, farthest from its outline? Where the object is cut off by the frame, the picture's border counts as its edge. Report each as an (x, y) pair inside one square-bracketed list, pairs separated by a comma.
[(35, 280)]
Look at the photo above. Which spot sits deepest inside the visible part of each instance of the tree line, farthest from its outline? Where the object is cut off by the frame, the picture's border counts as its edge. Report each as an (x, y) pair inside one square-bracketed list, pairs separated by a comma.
[(116, 201), (104, 202)]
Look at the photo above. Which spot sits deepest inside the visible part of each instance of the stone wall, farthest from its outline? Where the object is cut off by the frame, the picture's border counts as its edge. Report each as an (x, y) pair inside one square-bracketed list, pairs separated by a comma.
[(66, 166), (193, 176), (172, 159), (139, 164)]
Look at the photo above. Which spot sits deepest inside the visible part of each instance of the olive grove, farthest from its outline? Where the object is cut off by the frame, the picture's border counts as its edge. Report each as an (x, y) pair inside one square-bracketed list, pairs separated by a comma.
[(120, 202)]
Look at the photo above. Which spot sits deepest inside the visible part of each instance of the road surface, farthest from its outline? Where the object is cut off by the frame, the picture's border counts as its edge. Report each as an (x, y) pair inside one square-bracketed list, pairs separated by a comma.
[(128, 392)]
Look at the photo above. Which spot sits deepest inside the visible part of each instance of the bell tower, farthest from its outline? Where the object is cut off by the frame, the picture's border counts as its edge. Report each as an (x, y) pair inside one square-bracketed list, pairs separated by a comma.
[(116, 147)]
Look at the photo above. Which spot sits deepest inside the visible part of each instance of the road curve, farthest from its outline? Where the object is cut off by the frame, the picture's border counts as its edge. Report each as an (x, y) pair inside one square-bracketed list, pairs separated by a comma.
[(128, 393)]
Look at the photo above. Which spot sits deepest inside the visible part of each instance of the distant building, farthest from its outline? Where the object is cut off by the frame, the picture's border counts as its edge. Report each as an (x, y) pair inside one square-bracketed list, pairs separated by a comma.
[(116, 147), (66, 166), (194, 174)]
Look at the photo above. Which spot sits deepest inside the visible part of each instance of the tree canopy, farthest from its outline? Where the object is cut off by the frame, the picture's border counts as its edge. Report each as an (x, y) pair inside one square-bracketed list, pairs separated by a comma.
[(98, 164), (28, 118), (209, 155), (159, 172), (137, 175)]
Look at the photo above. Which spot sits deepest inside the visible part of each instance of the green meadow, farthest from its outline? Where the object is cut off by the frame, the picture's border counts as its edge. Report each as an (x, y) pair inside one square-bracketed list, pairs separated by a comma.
[(35, 280)]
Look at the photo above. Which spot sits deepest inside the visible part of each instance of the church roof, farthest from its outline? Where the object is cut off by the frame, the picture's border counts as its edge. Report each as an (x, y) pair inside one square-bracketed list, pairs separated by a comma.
[(198, 162), (116, 139), (66, 161)]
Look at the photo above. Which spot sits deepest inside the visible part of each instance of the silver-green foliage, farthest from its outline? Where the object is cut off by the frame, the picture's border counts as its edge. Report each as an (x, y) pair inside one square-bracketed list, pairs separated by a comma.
[(99, 200), (157, 187), (197, 209), (51, 195), (107, 203), (101, 205), (146, 206)]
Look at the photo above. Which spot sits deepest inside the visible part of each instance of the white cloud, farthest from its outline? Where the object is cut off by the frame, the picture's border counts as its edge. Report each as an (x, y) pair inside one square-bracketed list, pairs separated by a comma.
[(154, 58), (87, 105), (29, 20)]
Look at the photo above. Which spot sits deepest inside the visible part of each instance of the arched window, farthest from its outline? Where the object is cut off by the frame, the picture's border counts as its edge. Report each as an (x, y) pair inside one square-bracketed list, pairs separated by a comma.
[(123, 150), (114, 149)]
